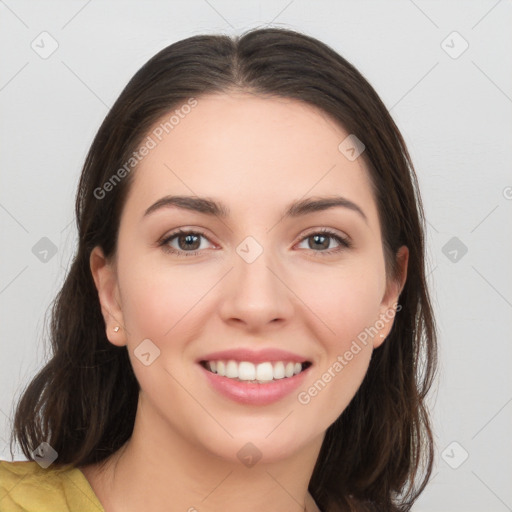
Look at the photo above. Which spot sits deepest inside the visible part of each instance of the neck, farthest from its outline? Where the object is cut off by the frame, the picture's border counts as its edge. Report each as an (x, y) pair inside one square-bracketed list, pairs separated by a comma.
[(159, 468)]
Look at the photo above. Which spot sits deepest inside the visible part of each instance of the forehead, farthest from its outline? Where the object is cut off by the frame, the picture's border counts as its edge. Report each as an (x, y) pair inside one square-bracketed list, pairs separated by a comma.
[(254, 152)]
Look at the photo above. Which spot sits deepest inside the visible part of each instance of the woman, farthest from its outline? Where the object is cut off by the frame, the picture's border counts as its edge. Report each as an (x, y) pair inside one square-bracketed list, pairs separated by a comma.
[(246, 323)]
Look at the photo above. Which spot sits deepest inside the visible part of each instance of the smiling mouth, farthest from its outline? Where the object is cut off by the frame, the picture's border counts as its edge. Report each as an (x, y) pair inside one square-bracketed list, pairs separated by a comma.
[(261, 373)]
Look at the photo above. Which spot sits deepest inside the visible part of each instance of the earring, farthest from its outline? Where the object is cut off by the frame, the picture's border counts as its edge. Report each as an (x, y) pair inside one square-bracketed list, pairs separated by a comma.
[(116, 328)]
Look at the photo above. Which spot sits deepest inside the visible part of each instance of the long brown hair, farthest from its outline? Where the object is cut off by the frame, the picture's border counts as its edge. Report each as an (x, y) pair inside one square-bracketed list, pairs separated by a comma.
[(378, 454)]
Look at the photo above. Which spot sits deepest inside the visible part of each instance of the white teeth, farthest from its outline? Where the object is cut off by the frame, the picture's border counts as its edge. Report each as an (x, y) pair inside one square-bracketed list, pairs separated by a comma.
[(279, 370), (232, 370), (221, 368), (247, 371), (264, 372)]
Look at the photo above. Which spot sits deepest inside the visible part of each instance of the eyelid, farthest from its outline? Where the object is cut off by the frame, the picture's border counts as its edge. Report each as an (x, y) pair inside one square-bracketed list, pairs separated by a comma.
[(343, 240), (187, 230), (328, 231)]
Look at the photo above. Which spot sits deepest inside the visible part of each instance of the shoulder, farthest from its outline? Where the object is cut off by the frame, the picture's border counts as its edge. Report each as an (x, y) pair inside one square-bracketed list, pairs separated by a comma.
[(27, 487)]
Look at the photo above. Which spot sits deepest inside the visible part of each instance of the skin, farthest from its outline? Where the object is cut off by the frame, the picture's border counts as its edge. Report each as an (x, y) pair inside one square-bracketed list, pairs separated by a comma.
[(255, 154)]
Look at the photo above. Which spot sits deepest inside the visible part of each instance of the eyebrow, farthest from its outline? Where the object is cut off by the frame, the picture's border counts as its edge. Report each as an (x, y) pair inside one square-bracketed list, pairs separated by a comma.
[(214, 208)]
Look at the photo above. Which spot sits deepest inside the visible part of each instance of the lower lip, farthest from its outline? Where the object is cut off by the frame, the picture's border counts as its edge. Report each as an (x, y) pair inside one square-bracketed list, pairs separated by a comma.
[(254, 393)]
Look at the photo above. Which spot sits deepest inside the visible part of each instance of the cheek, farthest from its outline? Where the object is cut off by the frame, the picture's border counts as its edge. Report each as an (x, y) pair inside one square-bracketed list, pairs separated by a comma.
[(158, 301), (348, 304), (346, 301), (159, 304)]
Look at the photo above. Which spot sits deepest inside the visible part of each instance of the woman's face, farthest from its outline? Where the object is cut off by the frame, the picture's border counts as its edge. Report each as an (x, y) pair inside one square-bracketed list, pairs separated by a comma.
[(257, 278)]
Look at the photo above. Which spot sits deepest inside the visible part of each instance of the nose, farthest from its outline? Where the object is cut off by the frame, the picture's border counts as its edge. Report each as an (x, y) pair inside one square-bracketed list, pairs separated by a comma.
[(256, 294)]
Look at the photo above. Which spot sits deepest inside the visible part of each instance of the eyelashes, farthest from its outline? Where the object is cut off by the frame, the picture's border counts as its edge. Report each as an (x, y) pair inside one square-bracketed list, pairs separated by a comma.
[(326, 234), (181, 233), (319, 236)]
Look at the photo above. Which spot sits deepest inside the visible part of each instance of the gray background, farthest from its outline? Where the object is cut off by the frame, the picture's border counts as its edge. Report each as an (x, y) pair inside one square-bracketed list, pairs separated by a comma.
[(453, 110)]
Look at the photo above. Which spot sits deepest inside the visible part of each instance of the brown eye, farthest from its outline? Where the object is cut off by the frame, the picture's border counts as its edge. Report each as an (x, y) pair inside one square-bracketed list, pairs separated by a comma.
[(321, 241), (188, 243)]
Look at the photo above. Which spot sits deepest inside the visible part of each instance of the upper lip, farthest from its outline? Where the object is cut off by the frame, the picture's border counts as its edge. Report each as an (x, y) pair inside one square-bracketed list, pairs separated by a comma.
[(254, 356)]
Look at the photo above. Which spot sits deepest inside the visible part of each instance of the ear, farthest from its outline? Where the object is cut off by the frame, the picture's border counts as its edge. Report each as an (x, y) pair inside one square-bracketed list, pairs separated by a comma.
[(105, 278), (388, 306)]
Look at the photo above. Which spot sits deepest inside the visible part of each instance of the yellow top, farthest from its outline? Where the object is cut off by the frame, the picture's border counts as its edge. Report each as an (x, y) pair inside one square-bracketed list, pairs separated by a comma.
[(27, 487)]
